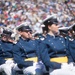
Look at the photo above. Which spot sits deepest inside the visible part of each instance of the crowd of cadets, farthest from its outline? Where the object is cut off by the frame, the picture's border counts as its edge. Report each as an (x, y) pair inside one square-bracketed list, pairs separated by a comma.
[(15, 12), (22, 55), (48, 52), (52, 51)]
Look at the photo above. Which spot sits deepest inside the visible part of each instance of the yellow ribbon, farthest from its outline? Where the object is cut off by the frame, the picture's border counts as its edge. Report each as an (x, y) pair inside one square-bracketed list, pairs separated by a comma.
[(8, 58), (34, 59), (59, 59)]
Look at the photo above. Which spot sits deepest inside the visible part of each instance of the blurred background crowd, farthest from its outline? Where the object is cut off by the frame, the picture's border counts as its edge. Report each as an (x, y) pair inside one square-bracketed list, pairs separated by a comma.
[(14, 13)]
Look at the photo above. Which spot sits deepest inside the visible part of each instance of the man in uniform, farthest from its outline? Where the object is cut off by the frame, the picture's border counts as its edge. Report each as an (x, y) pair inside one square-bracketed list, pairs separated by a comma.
[(26, 53), (6, 52)]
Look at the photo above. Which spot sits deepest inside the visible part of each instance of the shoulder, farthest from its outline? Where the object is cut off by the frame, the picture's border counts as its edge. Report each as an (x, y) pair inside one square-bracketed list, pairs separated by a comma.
[(69, 38)]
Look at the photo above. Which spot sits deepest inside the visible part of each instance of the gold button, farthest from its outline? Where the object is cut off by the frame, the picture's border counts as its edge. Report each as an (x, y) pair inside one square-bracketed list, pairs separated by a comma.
[(64, 45), (59, 38), (49, 40), (62, 42), (52, 43)]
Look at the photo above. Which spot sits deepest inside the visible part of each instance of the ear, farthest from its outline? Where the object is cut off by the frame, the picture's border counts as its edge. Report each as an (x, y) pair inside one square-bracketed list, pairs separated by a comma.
[(20, 32), (49, 27)]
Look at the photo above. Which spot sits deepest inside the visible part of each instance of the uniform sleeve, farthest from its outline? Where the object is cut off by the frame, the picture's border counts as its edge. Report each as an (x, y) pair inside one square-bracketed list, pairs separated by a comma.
[(46, 58), (18, 59), (2, 61), (38, 50), (69, 50), (72, 48)]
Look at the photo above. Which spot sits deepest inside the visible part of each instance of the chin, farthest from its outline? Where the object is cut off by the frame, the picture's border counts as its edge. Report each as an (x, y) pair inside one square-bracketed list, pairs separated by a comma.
[(27, 37)]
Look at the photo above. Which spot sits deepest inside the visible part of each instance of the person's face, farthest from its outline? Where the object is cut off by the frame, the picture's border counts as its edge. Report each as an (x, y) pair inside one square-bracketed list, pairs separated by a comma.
[(30, 35), (53, 28), (25, 34), (4, 38)]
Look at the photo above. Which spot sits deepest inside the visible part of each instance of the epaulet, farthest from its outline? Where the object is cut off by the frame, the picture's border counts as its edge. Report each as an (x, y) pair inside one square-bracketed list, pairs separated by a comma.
[(71, 39), (42, 38), (66, 37), (60, 35), (15, 42)]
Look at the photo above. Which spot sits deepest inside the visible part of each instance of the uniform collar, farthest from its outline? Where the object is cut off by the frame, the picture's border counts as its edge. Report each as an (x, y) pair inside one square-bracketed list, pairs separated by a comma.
[(5, 41), (53, 35), (25, 39)]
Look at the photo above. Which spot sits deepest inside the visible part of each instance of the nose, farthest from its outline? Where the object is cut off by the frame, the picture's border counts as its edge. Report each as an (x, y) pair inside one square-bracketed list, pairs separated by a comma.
[(28, 32), (58, 26)]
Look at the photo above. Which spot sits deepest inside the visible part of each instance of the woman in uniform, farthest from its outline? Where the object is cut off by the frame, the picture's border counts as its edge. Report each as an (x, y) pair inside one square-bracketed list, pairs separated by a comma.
[(54, 50)]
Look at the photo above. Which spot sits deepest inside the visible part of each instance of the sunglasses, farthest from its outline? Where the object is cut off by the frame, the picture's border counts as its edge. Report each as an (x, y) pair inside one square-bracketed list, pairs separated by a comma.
[(28, 31)]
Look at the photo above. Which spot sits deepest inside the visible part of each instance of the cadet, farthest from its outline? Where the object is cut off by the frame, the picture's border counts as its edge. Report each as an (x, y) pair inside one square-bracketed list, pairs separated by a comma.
[(6, 52), (26, 52), (6, 44), (54, 50), (72, 43)]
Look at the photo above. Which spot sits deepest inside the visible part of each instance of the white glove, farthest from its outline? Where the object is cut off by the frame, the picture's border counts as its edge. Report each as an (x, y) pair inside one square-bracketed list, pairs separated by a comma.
[(9, 61)]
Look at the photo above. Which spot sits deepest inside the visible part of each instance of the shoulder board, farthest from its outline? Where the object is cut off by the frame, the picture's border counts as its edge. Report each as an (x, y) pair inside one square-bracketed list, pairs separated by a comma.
[(42, 38), (70, 39), (66, 38)]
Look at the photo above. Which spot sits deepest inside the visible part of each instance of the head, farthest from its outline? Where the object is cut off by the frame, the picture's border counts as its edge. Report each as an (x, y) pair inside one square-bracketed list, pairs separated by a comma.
[(6, 35), (51, 25), (24, 31), (73, 28)]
